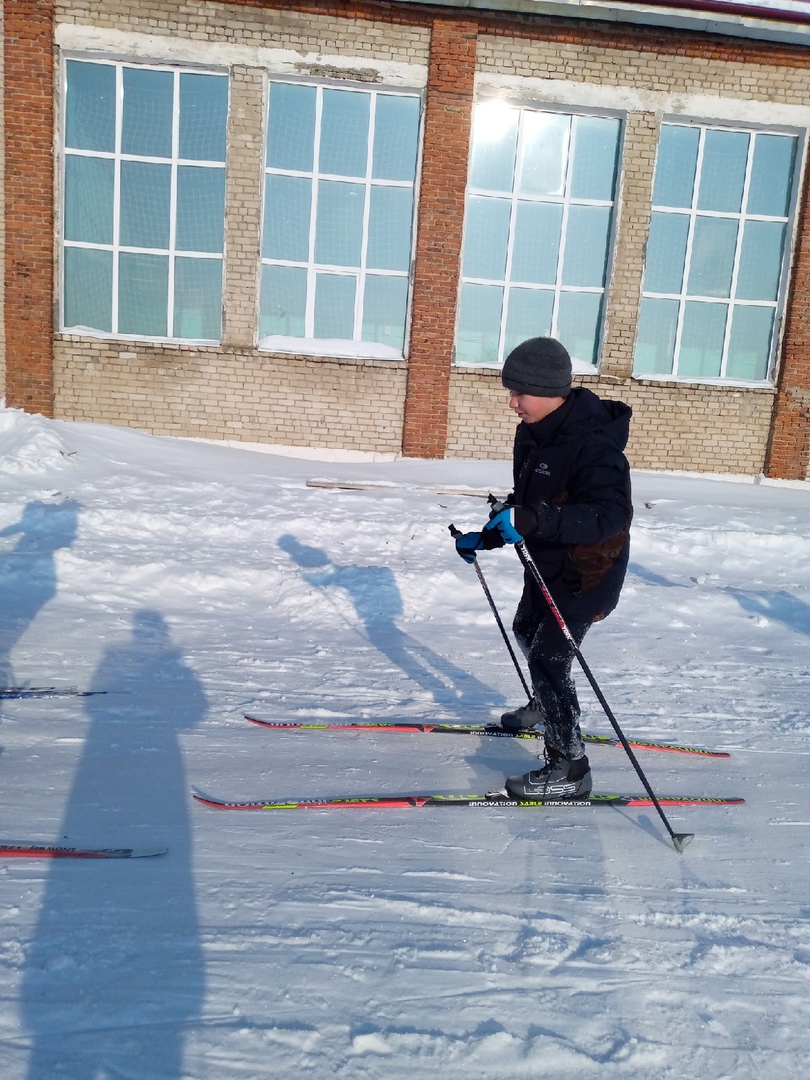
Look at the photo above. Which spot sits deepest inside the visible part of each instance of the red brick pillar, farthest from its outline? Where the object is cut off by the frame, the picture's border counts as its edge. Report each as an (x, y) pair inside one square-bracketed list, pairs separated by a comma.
[(438, 245), (29, 199)]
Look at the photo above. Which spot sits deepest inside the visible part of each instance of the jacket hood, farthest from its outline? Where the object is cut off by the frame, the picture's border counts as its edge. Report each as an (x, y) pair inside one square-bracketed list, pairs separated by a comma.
[(583, 414)]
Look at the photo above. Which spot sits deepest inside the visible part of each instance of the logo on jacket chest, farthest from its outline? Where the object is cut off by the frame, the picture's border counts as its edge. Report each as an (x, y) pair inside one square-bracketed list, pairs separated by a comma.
[(542, 469)]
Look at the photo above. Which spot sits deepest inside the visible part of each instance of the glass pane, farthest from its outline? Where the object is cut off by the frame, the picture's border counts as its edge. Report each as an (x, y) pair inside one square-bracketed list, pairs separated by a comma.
[(287, 207), (750, 345), (396, 138), (666, 253), (339, 229), (579, 320), (88, 289), (536, 244), (389, 228), (529, 315), (655, 344), (344, 133), (291, 127), (146, 127), (200, 209), (384, 310), (145, 204), (760, 260), (89, 199), (143, 291), (586, 246), (334, 305), (675, 168), (198, 299), (772, 175), (283, 301), (203, 116), (596, 156), (702, 335), (543, 153), (479, 324), (713, 246), (486, 234), (90, 106), (494, 140), (722, 174)]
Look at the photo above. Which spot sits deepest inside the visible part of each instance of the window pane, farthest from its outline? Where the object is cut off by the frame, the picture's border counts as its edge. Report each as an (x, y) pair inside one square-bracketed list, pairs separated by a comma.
[(203, 116), (486, 235), (543, 153), (396, 138), (147, 121), (655, 345), (722, 174), (287, 207), (666, 252), (675, 168), (291, 127), (596, 156), (334, 305), (494, 139), (339, 230), (283, 301), (760, 260), (145, 204), (704, 328), (389, 228), (90, 106), (344, 133), (198, 299), (384, 310), (586, 246), (529, 315), (89, 199), (750, 345), (143, 291), (200, 209), (88, 289), (713, 247), (479, 324), (772, 175), (578, 321), (536, 249)]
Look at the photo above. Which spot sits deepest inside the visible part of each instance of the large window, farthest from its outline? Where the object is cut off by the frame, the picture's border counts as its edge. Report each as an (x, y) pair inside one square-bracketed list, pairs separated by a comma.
[(537, 233), (338, 219), (716, 253), (144, 201)]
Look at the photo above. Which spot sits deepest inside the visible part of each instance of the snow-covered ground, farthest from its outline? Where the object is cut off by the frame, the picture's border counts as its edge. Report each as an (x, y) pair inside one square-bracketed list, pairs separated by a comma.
[(190, 582)]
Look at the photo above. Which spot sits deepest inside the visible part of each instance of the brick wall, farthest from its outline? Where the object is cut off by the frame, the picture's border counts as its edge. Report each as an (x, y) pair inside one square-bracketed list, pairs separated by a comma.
[(29, 204), (2, 227), (424, 406)]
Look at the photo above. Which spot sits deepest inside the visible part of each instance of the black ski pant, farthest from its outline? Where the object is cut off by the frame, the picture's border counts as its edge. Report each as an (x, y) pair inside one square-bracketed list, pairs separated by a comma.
[(550, 656)]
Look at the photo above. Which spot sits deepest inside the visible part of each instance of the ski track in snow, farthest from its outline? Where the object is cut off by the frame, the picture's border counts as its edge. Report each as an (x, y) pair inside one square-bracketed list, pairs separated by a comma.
[(194, 582)]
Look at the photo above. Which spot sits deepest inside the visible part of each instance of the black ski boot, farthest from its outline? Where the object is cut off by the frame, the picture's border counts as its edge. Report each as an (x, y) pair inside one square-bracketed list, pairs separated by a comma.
[(525, 718), (558, 779)]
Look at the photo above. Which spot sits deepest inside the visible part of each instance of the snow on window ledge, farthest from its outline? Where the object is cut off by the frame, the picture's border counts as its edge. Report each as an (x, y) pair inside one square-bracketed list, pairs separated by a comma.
[(362, 350)]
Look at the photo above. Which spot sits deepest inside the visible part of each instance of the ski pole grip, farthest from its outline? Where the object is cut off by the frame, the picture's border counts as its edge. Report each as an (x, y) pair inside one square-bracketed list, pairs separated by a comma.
[(454, 531)]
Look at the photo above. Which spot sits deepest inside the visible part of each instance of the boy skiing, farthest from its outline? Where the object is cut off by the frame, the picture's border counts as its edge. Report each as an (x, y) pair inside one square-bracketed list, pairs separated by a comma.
[(571, 505)]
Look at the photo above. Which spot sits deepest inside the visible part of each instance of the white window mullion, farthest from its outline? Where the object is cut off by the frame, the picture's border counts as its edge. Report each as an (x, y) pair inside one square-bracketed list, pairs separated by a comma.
[(309, 318), (563, 226), (173, 202), (116, 245)]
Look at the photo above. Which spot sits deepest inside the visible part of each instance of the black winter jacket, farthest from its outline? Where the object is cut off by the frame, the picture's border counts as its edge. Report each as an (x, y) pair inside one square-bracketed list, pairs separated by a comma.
[(573, 502)]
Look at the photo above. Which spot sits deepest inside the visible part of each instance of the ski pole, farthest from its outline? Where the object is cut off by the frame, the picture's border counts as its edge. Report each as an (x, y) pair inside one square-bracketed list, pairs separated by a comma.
[(457, 532), (680, 840)]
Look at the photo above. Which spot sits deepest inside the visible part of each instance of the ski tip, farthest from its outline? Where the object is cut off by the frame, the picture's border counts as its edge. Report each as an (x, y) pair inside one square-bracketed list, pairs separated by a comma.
[(682, 840)]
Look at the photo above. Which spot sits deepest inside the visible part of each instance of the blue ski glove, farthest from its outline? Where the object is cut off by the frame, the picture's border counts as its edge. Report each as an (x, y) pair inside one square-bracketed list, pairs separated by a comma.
[(501, 525), (467, 544)]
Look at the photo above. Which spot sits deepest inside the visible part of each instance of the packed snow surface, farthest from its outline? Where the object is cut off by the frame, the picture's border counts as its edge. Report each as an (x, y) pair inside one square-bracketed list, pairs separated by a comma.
[(186, 583)]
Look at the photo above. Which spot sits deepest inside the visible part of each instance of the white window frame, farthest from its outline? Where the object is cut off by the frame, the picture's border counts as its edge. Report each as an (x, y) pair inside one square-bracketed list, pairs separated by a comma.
[(566, 201), (117, 157), (693, 212), (356, 347)]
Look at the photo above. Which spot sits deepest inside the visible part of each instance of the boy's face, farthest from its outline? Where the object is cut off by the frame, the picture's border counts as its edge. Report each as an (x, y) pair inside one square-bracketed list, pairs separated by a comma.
[(530, 408)]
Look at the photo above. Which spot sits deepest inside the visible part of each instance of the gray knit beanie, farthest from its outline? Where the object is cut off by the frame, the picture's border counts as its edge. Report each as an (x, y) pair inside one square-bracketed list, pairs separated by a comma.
[(540, 366)]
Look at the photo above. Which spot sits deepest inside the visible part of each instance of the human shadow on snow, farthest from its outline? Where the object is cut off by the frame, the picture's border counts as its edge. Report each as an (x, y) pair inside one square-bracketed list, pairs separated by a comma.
[(114, 974)]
